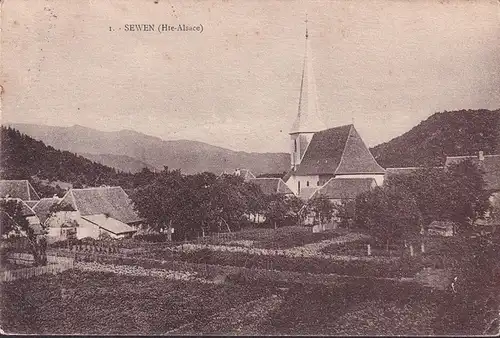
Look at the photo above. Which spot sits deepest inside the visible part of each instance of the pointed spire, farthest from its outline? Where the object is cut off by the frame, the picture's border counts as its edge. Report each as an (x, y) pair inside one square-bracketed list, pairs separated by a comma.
[(307, 118)]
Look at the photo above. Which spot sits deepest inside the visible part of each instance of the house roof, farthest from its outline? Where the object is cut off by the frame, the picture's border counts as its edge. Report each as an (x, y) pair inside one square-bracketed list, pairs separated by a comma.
[(103, 200), (43, 206), (33, 220), (287, 175), (246, 174), (338, 151), (271, 185), (345, 188), (18, 189), (490, 165), (31, 204), (109, 224), (307, 192)]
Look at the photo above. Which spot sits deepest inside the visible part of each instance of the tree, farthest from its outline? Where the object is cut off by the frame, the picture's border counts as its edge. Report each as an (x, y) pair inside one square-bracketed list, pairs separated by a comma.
[(12, 220), (276, 210), (160, 202), (468, 199), (387, 214), (294, 207), (345, 212), (456, 193), (322, 208)]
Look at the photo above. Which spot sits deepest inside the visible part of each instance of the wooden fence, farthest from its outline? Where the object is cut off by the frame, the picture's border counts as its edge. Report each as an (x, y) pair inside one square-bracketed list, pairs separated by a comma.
[(55, 265)]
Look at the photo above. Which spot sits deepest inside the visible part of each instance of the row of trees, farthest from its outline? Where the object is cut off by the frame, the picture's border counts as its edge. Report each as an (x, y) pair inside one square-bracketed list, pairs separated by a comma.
[(408, 202), (203, 203)]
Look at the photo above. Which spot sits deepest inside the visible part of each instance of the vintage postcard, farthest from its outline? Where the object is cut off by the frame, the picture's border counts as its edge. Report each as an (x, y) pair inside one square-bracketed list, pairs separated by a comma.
[(261, 167)]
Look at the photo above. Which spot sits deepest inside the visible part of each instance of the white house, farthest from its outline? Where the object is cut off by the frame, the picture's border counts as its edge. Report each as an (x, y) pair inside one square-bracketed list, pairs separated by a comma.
[(91, 212)]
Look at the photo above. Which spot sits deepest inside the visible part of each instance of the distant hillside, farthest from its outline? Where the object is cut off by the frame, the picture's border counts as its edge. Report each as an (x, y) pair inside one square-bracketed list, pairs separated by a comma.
[(22, 157), (120, 162), (443, 134), (189, 156)]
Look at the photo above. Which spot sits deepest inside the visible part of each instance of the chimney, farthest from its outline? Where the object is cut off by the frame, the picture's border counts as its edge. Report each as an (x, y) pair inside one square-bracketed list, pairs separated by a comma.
[(481, 156)]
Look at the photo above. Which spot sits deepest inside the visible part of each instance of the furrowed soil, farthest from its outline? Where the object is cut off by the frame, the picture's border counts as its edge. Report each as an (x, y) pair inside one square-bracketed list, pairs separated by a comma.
[(107, 303)]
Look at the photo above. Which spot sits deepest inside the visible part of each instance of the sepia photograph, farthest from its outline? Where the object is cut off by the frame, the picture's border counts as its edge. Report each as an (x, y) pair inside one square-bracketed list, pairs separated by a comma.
[(250, 167)]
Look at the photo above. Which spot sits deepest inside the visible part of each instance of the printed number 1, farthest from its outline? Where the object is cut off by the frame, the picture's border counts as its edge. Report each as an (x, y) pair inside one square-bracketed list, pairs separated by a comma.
[(110, 28)]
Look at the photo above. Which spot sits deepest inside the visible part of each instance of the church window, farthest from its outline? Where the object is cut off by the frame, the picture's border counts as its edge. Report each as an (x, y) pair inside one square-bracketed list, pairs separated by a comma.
[(318, 183), (307, 183), (295, 145), (298, 186)]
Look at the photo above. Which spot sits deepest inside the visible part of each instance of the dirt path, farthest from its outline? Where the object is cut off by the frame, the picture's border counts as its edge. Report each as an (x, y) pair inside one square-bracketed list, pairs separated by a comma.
[(240, 320)]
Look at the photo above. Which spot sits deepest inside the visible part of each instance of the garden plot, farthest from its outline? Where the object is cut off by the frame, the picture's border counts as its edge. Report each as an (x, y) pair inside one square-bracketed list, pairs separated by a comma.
[(359, 247), (308, 250), (244, 319), (140, 271), (81, 302), (362, 307)]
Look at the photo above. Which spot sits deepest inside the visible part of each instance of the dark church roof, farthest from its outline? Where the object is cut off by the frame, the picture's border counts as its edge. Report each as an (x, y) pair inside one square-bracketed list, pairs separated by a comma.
[(345, 188), (18, 189), (271, 186), (338, 151)]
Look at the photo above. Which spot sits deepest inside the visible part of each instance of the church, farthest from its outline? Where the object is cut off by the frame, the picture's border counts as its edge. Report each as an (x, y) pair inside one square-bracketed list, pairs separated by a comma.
[(322, 156)]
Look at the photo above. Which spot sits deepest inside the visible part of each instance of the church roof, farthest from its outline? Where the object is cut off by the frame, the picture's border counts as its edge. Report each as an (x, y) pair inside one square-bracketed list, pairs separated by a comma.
[(271, 186), (338, 151), (345, 188), (307, 120)]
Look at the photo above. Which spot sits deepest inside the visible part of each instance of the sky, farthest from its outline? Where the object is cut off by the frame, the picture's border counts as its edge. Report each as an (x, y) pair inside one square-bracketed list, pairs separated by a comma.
[(384, 65)]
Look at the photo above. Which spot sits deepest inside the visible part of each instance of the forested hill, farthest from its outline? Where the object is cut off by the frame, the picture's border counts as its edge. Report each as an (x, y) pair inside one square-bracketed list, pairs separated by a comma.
[(23, 157), (127, 149), (463, 132)]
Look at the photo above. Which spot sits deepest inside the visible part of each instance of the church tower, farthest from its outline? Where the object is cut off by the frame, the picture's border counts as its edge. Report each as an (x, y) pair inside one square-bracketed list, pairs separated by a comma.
[(307, 121), (335, 160)]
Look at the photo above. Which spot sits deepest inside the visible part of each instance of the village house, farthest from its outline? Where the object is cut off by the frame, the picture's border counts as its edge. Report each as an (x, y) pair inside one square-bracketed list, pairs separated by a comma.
[(31, 217), (320, 154), (21, 189), (94, 212), (244, 173), (271, 186)]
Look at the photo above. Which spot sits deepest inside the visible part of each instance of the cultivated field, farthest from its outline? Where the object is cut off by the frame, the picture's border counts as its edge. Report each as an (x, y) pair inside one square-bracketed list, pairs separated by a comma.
[(285, 281)]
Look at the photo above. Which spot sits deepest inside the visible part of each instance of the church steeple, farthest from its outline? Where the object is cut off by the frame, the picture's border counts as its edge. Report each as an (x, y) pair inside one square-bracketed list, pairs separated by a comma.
[(307, 120)]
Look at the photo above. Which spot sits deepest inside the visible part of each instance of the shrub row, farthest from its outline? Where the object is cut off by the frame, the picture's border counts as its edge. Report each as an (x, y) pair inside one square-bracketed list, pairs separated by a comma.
[(403, 267)]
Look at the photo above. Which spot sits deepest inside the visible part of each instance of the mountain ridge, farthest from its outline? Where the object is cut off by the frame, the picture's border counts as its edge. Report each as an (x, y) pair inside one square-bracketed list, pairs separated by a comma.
[(455, 133), (187, 155)]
